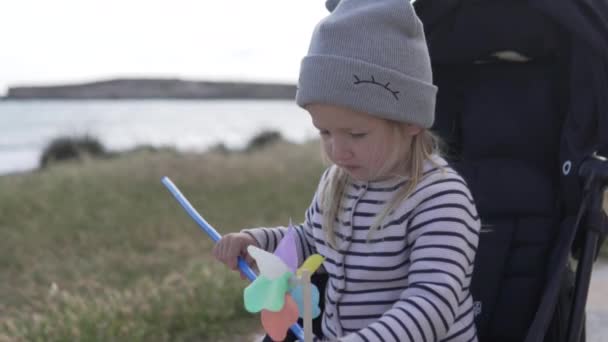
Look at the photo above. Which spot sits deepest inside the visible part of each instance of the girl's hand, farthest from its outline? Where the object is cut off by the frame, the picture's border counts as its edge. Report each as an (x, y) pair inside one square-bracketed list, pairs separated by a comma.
[(231, 246)]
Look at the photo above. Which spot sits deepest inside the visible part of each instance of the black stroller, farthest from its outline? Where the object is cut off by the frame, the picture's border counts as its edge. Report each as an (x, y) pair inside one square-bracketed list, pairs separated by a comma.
[(523, 108)]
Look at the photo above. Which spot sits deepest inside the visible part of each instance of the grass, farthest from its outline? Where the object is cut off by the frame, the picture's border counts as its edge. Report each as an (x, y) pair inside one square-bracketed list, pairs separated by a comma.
[(100, 251)]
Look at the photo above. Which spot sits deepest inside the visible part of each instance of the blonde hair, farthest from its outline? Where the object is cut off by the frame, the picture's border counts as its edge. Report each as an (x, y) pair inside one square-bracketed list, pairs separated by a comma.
[(412, 157)]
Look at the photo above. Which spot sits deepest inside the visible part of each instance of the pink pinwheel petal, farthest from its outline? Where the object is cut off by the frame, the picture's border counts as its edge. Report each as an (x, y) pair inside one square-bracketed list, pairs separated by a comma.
[(286, 250), (276, 324)]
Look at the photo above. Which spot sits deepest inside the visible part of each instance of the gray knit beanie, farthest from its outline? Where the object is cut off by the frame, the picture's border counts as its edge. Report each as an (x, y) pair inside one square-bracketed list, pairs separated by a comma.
[(370, 56)]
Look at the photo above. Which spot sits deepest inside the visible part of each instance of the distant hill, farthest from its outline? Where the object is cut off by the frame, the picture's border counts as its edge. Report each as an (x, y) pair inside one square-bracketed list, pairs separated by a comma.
[(154, 89)]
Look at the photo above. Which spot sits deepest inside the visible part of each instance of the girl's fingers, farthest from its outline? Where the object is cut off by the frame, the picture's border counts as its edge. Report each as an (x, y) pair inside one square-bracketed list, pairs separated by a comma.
[(250, 261), (217, 251), (221, 251), (230, 260), (229, 248)]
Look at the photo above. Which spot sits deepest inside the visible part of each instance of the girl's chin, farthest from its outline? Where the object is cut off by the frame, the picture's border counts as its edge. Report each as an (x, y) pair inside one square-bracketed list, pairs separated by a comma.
[(362, 175), (357, 173)]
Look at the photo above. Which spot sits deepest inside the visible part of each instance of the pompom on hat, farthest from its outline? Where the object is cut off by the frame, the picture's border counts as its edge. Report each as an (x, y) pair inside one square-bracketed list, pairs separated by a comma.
[(370, 56)]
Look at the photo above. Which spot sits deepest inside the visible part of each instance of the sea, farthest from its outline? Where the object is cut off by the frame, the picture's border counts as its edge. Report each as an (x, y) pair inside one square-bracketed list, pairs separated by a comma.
[(27, 127)]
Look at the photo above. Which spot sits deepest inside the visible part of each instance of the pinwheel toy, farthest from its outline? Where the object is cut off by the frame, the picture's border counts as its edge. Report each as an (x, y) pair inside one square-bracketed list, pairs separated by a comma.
[(278, 293)]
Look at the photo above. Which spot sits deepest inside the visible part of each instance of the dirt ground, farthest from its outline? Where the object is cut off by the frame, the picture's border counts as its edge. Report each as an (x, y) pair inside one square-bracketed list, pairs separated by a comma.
[(597, 305)]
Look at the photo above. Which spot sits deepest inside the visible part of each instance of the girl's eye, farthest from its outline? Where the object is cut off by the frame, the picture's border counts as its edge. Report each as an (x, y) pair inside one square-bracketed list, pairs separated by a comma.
[(324, 132), (358, 135)]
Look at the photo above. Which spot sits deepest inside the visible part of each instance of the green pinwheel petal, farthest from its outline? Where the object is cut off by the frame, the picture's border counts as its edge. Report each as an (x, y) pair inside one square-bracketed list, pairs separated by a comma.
[(267, 294)]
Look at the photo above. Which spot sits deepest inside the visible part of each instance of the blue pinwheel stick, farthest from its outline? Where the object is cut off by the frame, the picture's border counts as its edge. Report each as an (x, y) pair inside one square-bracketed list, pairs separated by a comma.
[(215, 236)]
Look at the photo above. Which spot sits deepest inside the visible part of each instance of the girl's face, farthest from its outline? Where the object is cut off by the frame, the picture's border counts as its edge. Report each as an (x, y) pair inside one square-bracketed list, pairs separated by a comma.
[(361, 144)]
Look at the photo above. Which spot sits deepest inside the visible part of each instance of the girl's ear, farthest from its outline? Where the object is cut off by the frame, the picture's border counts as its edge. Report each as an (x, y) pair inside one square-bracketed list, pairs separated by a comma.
[(411, 129)]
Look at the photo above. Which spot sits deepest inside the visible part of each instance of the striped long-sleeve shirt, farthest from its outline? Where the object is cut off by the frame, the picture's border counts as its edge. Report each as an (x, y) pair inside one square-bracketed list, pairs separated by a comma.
[(409, 280)]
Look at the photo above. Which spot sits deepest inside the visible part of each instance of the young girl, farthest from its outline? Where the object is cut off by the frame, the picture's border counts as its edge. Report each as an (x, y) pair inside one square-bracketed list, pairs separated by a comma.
[(397, 226)]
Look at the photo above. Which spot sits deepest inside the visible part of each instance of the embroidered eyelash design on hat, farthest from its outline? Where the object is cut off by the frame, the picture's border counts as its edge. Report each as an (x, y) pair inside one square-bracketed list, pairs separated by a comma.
[(373, 81)]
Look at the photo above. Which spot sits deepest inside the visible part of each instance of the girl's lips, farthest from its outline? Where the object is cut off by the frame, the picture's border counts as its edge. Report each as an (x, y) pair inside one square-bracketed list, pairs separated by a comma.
[(349, 167)]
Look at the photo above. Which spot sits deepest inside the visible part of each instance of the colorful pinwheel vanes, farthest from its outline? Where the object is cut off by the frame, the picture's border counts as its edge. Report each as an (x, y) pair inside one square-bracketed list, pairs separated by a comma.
[(277, 292)]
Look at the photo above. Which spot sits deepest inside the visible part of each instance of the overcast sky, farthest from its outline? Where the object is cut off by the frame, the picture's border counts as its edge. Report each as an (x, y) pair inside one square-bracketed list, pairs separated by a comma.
[(60, 41)]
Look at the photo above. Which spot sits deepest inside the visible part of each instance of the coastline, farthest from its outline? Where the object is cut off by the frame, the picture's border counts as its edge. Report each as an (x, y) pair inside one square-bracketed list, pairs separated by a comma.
[(144, 89)]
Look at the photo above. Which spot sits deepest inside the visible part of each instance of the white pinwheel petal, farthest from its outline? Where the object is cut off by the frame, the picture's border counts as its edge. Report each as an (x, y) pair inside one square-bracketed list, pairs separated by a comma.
[(270, 265)]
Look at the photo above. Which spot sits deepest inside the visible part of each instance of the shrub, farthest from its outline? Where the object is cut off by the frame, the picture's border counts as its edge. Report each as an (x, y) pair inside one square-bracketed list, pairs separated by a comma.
[(220, 148), (263, 139), (147, 148), (71, 148)]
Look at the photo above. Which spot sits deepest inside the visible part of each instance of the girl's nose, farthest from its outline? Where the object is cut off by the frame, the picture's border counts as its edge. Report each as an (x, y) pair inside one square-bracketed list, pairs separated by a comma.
[(340, 150)]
